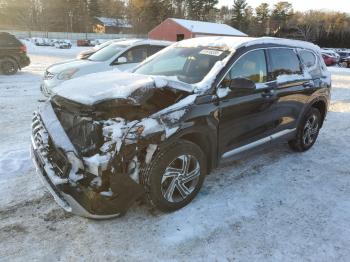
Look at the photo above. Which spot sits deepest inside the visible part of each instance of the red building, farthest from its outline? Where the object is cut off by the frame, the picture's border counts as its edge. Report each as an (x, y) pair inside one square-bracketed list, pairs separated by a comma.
[(173, 29)]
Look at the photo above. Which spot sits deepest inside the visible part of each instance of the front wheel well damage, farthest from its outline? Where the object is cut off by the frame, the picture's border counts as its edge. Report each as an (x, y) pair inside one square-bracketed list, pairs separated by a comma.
[(204, 143), (321, 107)]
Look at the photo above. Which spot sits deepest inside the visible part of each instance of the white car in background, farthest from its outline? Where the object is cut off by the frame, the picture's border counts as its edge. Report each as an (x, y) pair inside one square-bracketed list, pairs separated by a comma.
[(119, 56), (63, 44)]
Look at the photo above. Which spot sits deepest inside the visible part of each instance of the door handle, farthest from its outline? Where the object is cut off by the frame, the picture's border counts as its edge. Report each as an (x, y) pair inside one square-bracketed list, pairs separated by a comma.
[(268, 93), (308, 84)]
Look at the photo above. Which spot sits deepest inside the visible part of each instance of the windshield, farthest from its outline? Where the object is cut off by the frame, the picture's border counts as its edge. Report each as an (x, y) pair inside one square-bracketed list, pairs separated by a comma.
[(188, 64), (107, 53)]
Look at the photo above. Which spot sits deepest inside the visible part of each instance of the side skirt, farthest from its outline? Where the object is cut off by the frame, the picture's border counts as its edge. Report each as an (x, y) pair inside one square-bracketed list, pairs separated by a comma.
[(257, 143)]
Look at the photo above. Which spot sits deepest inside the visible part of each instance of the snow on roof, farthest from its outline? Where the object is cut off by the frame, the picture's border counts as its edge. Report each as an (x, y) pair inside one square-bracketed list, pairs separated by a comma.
[(233, 43), (208, 28), (107, 21), (139, 41)]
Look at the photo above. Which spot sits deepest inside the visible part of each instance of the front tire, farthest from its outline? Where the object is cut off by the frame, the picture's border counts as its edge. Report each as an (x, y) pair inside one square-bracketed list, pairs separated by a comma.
[(308, 131), (175, 175)]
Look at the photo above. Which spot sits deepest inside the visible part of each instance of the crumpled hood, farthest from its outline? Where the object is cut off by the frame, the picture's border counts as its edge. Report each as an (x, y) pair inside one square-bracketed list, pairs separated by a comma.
[(95, 88)]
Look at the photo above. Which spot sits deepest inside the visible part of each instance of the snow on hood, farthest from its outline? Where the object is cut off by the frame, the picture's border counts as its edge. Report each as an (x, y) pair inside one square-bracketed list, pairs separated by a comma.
[(94, 88)]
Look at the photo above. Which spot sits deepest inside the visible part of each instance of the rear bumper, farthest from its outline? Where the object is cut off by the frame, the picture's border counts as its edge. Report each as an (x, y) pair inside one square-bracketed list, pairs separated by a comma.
[(76, 195)]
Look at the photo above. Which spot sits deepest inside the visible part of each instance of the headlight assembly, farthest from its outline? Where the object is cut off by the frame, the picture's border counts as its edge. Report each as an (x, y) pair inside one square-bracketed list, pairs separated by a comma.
[(67, 74)]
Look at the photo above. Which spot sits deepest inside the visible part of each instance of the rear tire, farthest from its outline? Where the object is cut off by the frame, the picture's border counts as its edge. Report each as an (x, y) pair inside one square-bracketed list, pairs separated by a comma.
[(308, 131), (343, 64), (175, 175), (8, 66)]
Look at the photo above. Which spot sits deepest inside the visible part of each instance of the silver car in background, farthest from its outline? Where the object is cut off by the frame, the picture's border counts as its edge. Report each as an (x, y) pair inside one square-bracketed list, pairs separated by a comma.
[(119, 56)]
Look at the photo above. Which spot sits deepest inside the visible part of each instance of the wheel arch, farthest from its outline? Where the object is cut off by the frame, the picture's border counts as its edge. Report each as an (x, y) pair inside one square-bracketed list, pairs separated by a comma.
[(206, 145), (321, 106), (10, 57)]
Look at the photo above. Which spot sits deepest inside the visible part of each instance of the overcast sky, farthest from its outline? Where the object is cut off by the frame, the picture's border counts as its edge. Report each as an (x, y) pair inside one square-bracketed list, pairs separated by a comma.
[(303, 5)]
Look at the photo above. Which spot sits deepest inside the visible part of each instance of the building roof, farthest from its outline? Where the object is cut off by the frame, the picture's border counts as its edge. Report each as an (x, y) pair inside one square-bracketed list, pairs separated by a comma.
[(107, 21), (208, 28)]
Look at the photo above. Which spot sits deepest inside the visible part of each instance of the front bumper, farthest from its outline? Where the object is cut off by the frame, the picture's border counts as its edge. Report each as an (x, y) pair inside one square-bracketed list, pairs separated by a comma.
[(76, 196), (24, 61)]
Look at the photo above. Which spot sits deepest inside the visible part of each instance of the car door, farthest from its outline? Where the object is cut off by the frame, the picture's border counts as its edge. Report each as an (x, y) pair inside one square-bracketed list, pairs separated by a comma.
[(246, 115), (131, 57), (292, 86)]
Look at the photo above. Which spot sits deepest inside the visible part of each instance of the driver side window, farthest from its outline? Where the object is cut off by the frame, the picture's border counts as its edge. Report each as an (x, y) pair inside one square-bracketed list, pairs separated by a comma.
[(251, 65)]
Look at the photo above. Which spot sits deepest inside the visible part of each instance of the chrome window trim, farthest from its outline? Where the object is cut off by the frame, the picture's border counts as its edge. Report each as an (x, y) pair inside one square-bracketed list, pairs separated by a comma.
[(295, 49)]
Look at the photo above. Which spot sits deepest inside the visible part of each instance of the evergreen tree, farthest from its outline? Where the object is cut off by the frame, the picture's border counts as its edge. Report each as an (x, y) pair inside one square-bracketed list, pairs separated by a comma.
[(280, 14), (94, 8), (201, 10), (238, 14), (262, 19)]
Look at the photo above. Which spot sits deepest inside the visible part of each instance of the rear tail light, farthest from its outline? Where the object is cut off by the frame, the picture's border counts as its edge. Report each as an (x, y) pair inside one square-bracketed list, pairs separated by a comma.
[(23, 49)]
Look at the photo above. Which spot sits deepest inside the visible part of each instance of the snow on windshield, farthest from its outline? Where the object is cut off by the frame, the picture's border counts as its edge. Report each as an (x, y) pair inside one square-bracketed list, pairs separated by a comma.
[(188, 64)]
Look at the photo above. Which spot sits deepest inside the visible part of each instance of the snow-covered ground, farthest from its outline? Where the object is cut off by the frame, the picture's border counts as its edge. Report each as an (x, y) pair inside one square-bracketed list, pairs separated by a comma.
[(271, 205)]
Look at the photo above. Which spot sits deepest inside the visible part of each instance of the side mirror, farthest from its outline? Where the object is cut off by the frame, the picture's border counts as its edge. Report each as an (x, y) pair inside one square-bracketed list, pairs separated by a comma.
[(122, 60), (242, 83)]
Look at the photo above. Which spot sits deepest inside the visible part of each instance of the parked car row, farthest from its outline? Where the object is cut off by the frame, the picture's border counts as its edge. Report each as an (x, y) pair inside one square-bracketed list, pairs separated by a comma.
[(106, 137), (87, 42), (64, 43), (339, 57)]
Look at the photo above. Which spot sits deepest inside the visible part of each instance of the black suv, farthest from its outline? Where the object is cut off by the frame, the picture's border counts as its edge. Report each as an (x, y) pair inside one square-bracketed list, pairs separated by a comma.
[(107, 139), (13, 54)]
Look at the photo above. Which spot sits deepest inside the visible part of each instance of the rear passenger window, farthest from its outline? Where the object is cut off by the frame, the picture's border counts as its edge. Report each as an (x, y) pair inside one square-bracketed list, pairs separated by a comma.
[(309, 58), (284, 61)]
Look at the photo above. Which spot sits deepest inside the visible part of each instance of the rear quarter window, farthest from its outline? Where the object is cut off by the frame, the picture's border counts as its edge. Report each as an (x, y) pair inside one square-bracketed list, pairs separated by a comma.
[(308, 58), (284, 61)]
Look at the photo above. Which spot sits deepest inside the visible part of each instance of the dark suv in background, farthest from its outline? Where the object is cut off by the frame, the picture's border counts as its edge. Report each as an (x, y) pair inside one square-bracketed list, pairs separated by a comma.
[(13, 54), (345, 58), (107, 139)]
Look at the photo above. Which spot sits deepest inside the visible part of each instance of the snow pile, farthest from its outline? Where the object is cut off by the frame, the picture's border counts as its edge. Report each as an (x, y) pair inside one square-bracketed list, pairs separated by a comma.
[(14, 162)]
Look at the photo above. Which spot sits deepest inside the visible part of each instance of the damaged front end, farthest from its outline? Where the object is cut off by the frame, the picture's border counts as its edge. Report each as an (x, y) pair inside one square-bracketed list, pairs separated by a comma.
[(90, 157)]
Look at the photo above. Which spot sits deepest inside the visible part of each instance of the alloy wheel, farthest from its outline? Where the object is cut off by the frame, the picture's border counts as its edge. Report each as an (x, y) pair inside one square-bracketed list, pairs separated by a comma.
[(180, 178), (310, 130)]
